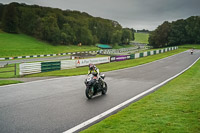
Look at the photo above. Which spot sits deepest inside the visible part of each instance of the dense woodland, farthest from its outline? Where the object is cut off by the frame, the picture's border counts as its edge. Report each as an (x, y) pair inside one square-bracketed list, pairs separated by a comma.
[(62, 27), (176, 33)]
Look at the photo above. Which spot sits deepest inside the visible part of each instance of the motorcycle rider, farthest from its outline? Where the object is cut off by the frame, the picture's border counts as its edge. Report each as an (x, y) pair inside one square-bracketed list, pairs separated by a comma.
[(93, 68), (192, 50)]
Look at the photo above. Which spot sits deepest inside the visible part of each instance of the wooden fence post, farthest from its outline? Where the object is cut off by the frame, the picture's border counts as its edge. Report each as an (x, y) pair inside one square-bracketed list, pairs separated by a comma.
[(15, 69)]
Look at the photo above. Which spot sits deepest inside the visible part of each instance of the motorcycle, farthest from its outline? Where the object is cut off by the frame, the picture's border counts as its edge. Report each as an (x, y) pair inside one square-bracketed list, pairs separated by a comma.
[(191, 51), (94, 85)]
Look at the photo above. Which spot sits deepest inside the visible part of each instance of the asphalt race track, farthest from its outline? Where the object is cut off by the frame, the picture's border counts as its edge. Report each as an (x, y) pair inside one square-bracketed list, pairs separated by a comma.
[(56, 105)]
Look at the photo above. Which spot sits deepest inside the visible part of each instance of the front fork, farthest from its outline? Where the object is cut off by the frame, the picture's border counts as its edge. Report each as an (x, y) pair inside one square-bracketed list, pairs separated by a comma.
[(92, 88)]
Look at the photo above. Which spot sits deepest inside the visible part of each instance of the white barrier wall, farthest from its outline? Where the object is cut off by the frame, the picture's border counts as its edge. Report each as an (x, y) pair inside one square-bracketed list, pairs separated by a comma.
[(137, 55), (85, 62), (68, 64), (151, 52), (29, 68), (145, 53)]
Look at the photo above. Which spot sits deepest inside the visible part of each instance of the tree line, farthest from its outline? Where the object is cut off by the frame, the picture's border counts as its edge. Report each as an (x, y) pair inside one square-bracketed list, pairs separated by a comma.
[(183, 31), (62, 26)]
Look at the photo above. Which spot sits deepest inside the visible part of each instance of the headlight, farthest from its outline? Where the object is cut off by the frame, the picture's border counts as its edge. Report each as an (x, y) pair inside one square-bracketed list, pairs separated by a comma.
[(88, 79)]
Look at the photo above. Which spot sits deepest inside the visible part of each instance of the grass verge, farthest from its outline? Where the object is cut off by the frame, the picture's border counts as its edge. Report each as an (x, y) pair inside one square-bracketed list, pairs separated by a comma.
[(175, 107), (109, 66), (6, 82), (190, 46), (22, 45)]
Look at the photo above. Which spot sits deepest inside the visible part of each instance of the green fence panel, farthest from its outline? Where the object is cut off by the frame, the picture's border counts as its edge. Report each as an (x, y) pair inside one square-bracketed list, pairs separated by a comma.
[(159, 51), (148, 53), (141, 55), (154, 52), (132, 56), (50, 66)]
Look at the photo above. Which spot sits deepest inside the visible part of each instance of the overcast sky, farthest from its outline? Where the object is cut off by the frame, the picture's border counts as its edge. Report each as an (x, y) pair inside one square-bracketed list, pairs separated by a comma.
[(137, 14)]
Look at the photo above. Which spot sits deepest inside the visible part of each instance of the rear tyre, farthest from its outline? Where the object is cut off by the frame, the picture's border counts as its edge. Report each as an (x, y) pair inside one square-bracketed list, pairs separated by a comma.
[(104, 88), (89, 92)]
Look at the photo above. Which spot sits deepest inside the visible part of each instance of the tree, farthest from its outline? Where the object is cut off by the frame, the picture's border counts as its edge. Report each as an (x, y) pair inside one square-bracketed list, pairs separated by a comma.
[(192, 28), (28, 20), (68, 35), (1, 11), (159, 37), (133, 35), (59, 27), (116, 38), (84, 36), (126, 36), (10, 20), (178, 33), (50, 29)]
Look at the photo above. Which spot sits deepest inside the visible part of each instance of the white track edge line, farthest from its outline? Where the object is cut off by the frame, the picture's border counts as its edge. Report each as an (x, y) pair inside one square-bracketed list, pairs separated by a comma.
[(90, 121)]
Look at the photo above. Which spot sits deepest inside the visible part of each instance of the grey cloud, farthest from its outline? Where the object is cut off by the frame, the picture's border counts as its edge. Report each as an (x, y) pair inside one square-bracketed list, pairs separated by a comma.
[(137, 14)]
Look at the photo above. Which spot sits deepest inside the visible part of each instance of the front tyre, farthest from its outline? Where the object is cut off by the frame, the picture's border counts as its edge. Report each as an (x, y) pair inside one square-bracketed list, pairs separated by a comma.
[(104, 90), (89, 92)]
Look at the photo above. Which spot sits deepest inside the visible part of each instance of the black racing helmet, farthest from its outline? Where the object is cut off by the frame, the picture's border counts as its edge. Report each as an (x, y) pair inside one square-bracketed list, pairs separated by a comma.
[(91, 67)]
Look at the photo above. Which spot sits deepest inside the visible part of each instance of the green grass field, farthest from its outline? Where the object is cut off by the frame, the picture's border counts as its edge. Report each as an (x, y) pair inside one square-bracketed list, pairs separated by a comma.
[(174, 108), (141, 37), (12, 45)]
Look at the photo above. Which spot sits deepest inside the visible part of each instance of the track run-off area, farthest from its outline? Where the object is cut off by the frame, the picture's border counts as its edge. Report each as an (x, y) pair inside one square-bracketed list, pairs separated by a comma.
[(59, 104)]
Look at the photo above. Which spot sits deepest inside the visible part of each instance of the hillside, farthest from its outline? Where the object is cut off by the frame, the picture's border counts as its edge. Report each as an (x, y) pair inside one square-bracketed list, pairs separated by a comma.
[(21, 45), (141, 38), (65, 27)]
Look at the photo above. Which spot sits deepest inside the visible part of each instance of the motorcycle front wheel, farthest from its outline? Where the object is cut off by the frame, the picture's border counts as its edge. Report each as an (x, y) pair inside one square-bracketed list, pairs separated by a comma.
[(104, 90), (89, 92)]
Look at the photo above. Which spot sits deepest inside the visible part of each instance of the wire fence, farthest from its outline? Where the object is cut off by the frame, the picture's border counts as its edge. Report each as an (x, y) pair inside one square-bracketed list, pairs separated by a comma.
[(8, 70)]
